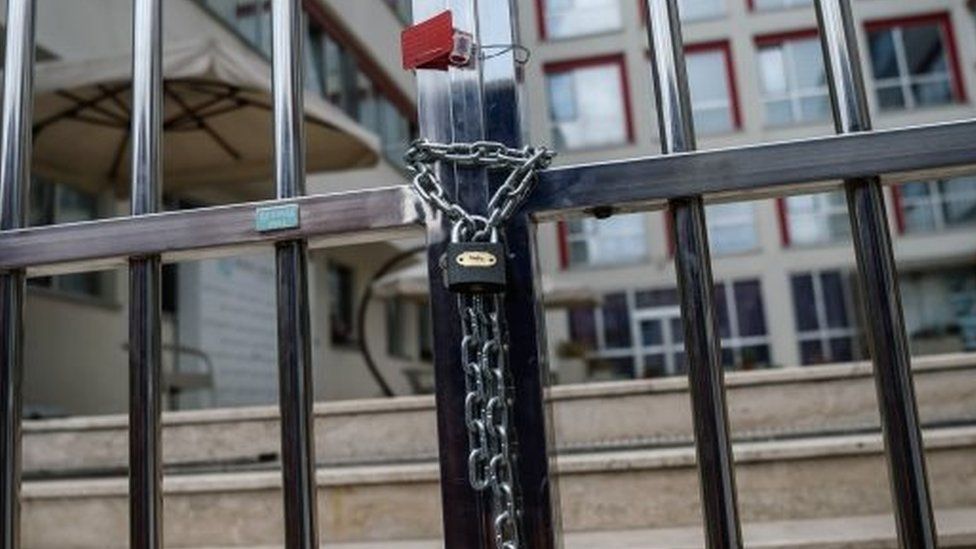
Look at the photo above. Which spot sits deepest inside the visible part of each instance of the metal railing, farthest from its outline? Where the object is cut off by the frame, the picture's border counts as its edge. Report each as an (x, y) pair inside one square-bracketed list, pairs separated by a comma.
[(470, 105)]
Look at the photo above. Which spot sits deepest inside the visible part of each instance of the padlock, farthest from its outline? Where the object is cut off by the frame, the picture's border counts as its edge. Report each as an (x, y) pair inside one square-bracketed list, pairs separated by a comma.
[(475, 267)]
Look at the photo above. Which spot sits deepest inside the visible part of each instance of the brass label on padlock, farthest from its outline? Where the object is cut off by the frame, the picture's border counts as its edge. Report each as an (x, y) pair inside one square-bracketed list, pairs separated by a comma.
[(476, 259)]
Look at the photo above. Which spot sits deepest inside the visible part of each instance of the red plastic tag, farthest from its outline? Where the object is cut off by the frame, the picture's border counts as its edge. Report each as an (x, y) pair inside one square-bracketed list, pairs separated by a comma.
[(435, 44)]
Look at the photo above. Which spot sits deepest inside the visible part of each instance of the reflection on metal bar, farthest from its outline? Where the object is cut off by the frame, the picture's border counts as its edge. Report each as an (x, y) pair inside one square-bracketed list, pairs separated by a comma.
[(528, 357), (145, 276), (295, 388), (15, 154), (774, 169), (329, 220), (884, 320), (759, 170), (449, 109), (695, 286)]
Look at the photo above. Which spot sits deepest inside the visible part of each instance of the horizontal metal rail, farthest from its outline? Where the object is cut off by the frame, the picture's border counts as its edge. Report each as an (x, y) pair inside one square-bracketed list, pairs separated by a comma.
[(334, 219), (744, 173)]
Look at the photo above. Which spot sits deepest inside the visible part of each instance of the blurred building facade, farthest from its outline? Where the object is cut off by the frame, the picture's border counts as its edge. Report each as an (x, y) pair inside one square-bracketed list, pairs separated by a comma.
[(784, 269), (785, 286)]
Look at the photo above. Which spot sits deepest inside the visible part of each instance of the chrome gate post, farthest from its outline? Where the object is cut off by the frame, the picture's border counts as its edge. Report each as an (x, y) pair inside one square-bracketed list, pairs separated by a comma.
[(145, 279), (15, 148), (693, 267), (528, 355), (454, 106), (295, 388), (885, 323)]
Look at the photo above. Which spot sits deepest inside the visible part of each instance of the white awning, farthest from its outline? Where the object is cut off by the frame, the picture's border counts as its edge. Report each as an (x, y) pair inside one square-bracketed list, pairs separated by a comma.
[(218, 120)]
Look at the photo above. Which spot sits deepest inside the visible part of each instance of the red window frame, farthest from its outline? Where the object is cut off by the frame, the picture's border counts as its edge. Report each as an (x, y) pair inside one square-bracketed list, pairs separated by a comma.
[(943, 20), (540, 19), (556, 67), (725, 46), (618, 59)]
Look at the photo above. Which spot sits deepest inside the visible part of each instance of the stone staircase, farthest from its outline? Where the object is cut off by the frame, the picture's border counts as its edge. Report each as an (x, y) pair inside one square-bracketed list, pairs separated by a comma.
[(810, 467)]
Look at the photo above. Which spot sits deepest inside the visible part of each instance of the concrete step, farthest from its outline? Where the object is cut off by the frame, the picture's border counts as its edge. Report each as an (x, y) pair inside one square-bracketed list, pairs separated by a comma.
[(606, 416), (957, 529), (802, 479)]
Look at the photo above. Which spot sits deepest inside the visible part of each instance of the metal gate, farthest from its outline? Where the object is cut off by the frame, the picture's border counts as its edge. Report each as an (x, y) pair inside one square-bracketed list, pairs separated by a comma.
[(467, 105)]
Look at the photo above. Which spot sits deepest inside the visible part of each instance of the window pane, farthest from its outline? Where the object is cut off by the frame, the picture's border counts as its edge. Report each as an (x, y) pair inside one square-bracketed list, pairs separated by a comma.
[(731, 228), (647, 299), (619, 239), (655, 366), (616, 321), (808, 64), (677, 331), (578, 17), (772, 70), (835, 300), (891, 97), (811, 352), (959, 200), (582, 327), (804, 303), (884, 58), (651, 333), (756, 356), (75, 205), (841, 349), (700, 9), (341, 321), (594, 118), (932, 93), (749, 308), (917, 205), (711, 99), (924, 52)]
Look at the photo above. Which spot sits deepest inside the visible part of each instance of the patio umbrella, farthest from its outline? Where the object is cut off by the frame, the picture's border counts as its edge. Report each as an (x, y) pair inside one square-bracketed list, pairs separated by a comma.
[(217, 122)]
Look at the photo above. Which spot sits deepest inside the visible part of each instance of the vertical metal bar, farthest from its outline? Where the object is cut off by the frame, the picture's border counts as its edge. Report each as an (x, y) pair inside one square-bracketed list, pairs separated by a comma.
[(528, 358), (145, 276), (885, 324), (449, 109), (15, 148), (295, 388), (695, 285)]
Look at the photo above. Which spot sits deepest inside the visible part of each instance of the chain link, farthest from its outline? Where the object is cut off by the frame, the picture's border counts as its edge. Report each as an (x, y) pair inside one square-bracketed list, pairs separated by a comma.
[(484, 350), (524, 163)]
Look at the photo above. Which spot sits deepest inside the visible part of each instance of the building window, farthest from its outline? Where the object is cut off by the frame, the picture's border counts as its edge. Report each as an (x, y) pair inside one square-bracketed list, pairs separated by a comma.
[(732, 228), (793, 79), (425, 333), (760, 5), (936, 205), (638, 334), (54, 203), (913, 63), (940, 309), (569, 18), (589, 103), (816, 218), (825, 317), (711, 80), (341, 304), (616, 240), (695, 10)]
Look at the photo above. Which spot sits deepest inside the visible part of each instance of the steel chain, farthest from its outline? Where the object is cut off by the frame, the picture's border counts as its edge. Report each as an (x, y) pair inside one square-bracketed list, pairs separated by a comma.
[(484, 350)]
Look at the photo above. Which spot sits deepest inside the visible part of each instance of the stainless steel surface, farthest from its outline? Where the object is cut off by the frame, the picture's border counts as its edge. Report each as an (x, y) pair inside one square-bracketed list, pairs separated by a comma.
[(703, 352), (15, 154), (449, 110), (145, 276), (295, 387), (345, 218), (884, 319), (758, 171)]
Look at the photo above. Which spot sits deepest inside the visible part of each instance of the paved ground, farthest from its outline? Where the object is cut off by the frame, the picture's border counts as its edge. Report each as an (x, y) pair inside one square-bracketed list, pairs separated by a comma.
[(957, 529)]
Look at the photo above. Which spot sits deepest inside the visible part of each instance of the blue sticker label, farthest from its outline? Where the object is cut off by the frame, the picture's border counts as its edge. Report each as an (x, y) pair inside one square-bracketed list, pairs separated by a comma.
[(276, 218)]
